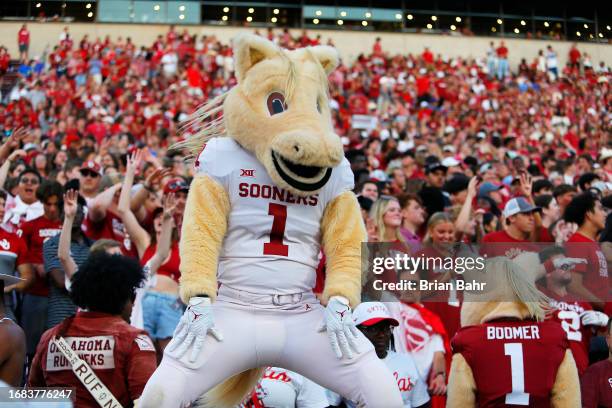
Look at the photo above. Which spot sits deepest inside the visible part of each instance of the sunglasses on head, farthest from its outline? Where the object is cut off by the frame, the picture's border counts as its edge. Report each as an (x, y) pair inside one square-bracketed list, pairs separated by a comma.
[(177, 186)]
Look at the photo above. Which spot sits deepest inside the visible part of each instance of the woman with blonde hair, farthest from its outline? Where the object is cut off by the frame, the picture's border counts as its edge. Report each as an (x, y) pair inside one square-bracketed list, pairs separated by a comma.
[(385, 220)]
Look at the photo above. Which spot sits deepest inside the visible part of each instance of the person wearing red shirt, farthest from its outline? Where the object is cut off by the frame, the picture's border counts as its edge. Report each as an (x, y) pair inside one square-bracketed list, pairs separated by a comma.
[(574, 57), (423, 84), (428, 56), (502, 61), (596, 383), (34, 234), (511, 369), (577, 318), (102, 220), (514, 239), (13, 262), (121, 356), (162, 308), (377, 48), (358, 104), (23, 41), (590, 279), (5, 59)]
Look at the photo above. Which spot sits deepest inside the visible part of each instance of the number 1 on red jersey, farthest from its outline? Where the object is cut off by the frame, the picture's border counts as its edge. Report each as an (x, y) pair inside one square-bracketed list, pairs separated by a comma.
[(276, 246), (518, 396)]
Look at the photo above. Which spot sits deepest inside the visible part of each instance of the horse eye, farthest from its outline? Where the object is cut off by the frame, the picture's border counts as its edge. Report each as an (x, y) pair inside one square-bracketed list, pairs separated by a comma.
[(276, 103), (319, 106)]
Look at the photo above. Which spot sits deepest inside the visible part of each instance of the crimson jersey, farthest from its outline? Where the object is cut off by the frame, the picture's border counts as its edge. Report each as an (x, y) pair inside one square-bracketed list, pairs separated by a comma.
[(34, 234), (500, 243), (122, 356), (110, 227), (13, 252), (514, 363), (566, 312), (595, 270)]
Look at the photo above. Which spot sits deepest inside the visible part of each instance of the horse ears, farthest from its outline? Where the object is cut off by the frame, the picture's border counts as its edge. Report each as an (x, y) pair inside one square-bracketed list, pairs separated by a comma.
[(327, 56), (250, 49)]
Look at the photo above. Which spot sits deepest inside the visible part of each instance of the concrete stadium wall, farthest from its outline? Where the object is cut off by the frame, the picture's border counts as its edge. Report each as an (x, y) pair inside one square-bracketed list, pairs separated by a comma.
[(350, 43)]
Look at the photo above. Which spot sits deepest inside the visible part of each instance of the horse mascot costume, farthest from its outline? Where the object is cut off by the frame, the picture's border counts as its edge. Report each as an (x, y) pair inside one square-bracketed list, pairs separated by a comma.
[(505, 354), (272, 188)]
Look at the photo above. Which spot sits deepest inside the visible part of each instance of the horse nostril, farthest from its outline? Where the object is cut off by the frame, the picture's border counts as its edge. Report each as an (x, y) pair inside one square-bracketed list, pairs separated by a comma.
[(296, 148)]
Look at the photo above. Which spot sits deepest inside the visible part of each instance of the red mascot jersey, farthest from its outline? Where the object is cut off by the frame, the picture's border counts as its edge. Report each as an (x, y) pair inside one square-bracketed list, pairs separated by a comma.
[(514, 363)]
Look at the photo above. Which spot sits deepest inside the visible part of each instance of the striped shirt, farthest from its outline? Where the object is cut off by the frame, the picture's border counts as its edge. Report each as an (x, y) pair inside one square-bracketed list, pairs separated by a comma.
[(60, 304)]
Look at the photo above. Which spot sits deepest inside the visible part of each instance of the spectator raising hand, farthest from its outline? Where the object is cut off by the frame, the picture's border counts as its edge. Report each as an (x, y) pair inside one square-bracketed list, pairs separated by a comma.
[(70, 210)]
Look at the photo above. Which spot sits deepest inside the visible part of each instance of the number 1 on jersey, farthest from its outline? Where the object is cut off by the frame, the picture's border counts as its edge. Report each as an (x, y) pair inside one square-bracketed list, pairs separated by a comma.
[(518, 396), (276, 246)]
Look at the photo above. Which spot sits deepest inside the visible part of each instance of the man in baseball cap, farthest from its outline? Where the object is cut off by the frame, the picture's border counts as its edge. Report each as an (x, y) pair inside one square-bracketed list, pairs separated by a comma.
[(179, 187), (375, 322), (89, 181), (520, 224)]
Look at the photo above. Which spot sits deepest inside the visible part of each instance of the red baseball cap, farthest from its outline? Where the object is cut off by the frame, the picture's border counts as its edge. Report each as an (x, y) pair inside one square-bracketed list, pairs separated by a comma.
[(175, 185), (92, 166)]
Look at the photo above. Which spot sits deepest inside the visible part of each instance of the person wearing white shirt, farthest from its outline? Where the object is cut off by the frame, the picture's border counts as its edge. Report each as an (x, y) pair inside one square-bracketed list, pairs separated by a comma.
[(375, 322), (552, 63), (280, 388), (24, 206)]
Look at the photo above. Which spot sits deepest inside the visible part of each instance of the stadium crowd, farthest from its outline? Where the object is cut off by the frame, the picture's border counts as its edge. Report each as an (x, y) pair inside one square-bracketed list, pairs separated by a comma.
[(443, 150)]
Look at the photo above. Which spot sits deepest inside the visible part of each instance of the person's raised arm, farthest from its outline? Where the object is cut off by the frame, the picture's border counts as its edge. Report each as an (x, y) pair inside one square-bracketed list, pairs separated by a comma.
[(463, 219), (13, 142), (165, 238), (99, 205), (6, 166), (139, 236), (526, 189), (63, 251), (138, 199)]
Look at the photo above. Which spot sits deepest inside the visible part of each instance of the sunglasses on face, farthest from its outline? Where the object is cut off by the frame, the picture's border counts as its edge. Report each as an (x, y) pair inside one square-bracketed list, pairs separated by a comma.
[(89, 173), (29, 181)]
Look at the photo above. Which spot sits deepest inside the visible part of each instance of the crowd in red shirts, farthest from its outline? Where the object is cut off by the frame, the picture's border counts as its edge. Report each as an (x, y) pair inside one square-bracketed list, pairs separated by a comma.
[(443, 150)]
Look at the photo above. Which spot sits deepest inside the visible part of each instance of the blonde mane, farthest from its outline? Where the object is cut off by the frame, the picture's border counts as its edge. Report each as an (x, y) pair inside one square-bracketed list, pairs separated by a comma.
[(207, 121), (535, 301)]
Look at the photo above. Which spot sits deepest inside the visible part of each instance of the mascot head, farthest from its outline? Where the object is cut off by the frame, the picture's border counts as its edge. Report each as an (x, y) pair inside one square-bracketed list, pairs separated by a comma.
[(510, 293), (279, 111)]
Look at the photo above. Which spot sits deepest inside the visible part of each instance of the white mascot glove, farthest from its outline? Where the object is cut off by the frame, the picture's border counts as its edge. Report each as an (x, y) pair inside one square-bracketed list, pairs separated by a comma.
[(567, 263), (341, 329), (196, 323), (593, 318)]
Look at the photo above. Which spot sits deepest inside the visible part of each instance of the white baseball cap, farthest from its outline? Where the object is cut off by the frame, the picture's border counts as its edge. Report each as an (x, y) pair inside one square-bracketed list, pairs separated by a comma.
[(450, 162), (370, 313)]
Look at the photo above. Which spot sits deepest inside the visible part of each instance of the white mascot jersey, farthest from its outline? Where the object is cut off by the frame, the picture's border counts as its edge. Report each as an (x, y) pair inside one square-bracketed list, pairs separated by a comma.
[(273, 238)]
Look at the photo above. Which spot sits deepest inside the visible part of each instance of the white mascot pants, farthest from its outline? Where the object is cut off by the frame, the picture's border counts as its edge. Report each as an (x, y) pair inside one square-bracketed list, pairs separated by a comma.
[(277, 331)]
